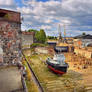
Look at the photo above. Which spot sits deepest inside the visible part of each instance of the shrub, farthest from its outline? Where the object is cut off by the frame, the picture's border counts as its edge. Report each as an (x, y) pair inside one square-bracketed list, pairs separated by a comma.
[(37, 45)]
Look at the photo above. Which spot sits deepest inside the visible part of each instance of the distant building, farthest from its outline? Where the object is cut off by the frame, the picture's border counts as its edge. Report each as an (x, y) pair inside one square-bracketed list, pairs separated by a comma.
[(27, 39), (86, 42), (83, 40), (10, 36), (69, 40), (83, 36), (77, 43)]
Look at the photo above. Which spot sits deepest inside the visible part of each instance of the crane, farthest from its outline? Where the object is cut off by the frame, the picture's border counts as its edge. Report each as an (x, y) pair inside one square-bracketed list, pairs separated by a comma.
[(59, 31)]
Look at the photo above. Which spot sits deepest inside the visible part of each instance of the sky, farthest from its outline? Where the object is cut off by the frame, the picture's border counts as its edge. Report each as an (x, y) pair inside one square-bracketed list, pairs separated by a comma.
[(76, 15)]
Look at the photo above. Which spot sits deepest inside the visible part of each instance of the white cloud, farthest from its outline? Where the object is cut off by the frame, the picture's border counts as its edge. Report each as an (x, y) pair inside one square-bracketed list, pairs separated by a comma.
[(75, 14), (45, 27), (24, 10), (6, 2)]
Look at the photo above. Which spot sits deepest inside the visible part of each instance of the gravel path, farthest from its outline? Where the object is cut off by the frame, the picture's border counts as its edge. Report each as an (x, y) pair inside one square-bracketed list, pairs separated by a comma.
[(10, 80)]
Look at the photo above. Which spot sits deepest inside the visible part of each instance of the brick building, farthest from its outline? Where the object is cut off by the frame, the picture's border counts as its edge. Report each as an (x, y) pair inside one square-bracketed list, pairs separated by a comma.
[(27, 39), (10, 36)]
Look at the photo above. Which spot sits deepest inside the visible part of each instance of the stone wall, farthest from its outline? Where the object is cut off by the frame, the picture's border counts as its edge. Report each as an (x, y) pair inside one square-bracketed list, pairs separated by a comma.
[(41, 50), (1, 54), (44, 50), (10, 39)]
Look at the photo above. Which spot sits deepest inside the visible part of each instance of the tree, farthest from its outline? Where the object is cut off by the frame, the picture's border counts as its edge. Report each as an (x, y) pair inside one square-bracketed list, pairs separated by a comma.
[(83, 33), (32, 30), (37, 36), (40, 36), (51, 37)]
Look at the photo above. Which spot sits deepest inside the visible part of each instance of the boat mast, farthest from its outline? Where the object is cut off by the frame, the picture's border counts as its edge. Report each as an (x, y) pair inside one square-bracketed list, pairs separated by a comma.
[(59, 30), (64, 34)]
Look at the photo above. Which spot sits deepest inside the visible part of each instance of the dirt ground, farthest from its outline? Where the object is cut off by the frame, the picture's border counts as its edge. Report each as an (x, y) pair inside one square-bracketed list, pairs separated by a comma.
[(10, 80), (76, 65)]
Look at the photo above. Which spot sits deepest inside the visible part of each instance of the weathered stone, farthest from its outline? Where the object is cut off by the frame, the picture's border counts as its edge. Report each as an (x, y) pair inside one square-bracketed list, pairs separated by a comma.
[(10, 30)]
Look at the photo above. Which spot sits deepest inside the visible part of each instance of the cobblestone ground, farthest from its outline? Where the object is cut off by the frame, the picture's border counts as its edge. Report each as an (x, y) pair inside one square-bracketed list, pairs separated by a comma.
[(10, 80)]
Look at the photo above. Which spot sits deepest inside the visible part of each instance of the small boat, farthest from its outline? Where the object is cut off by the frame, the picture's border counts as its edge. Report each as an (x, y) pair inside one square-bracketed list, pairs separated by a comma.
[(61, 49), (57, 64)]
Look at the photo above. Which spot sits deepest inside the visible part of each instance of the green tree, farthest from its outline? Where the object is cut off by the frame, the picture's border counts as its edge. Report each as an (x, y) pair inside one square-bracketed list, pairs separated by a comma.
[(51, 37), (32, 30), (42, 37), (37, 36), (83, 33)]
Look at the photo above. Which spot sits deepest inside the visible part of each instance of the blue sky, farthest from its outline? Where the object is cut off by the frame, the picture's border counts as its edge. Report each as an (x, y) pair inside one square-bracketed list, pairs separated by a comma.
[(19, 3), (76, 15)]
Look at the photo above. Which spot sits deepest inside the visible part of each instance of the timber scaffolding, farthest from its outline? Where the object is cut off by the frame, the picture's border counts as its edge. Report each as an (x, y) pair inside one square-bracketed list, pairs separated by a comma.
[(78, 61)]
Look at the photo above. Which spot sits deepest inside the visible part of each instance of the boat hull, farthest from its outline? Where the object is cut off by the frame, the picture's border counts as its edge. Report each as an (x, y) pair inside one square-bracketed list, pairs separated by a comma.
[(57, 68), (61, 49)]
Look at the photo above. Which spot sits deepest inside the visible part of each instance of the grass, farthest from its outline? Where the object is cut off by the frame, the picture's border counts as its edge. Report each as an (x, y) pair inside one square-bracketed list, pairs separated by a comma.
[(31, 86), (51, 82), (29, 82), (25, 46), (37, 45)]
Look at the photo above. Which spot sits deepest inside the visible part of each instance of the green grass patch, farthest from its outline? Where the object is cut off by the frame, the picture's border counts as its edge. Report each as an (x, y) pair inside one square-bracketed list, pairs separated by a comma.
[(29, 82), (38, 44), (31, 86)]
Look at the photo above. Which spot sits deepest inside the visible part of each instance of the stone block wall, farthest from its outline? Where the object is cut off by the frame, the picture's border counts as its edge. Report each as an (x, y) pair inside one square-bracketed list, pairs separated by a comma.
[(10, 39), (42, 50), (45, 50)]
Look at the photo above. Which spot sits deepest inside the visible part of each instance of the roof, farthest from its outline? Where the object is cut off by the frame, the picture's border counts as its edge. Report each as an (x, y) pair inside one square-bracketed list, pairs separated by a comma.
[(8, 15), (84, 36), (9, 10), (28, 33)]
